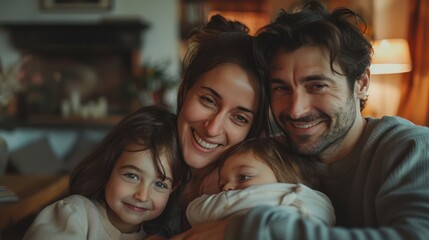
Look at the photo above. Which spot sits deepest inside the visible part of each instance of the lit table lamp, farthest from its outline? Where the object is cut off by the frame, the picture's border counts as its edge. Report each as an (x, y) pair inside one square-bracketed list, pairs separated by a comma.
[(391, 56)]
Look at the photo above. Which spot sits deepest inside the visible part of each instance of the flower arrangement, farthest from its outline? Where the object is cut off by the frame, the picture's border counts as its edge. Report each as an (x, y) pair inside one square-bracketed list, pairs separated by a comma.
[(9, 82), (152, 82)]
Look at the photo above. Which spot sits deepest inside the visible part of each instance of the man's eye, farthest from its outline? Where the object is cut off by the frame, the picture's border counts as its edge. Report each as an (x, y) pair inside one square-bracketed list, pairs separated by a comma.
[(279, 89), (317, 86)]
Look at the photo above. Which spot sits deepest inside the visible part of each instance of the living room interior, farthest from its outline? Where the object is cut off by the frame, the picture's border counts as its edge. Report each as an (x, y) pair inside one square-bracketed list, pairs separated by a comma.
[(70, 70)]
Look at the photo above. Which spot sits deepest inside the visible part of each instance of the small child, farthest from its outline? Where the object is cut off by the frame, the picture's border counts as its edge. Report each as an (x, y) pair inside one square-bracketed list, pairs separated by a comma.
[(125, 182), (260, 171)]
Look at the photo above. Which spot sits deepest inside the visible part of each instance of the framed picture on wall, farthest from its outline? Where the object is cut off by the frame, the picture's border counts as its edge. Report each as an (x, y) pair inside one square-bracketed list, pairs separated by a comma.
[(75, 5)]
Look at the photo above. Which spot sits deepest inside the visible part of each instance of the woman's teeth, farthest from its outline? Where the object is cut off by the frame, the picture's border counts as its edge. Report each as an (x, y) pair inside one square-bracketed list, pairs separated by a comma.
[(203, 143)]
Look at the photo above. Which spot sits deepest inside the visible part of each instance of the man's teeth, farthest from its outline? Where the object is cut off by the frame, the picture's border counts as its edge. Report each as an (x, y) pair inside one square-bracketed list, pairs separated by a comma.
[(203, 143), (308, 125)]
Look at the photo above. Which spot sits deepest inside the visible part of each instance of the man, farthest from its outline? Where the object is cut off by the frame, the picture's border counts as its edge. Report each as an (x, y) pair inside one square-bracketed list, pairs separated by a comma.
[(375, 171)]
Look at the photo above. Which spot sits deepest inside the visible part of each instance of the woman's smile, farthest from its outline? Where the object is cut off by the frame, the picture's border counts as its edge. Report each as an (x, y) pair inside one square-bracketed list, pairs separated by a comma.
[(202, 143)]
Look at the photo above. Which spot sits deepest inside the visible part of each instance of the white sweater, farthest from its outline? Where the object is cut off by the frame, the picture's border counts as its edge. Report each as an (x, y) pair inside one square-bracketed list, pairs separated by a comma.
[(297, 199)]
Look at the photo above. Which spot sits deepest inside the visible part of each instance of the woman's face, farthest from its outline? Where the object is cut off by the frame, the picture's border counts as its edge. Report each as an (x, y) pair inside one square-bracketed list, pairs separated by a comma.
[(217, 112)]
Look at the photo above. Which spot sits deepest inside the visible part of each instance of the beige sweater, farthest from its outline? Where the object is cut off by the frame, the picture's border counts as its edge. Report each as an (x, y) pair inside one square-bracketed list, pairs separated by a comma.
[(76, 217)]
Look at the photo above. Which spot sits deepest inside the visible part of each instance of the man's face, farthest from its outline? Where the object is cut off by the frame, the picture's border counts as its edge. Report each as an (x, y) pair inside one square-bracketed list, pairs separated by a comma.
[(312, 105)]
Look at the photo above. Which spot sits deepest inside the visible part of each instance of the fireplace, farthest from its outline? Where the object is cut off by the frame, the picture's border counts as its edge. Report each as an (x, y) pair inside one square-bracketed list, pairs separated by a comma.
[(84, 62)]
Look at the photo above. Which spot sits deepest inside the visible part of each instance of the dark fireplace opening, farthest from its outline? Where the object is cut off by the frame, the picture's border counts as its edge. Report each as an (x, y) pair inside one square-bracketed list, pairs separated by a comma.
[(77, 69)]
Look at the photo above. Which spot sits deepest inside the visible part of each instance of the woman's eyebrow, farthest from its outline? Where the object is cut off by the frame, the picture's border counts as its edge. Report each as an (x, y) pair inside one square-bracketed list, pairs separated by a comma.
[(212, 91)]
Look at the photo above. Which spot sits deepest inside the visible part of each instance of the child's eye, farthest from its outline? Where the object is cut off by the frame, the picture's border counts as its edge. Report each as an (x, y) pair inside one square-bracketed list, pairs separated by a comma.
[(131, 176), (162, 186), (243, 178)]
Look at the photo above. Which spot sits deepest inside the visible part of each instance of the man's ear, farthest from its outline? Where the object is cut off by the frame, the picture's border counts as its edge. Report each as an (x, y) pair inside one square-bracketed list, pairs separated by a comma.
[(362, 85)]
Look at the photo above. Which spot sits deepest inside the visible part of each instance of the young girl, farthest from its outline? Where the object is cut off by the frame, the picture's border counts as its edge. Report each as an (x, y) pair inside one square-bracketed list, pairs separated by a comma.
[(122, 185), (260, 171)]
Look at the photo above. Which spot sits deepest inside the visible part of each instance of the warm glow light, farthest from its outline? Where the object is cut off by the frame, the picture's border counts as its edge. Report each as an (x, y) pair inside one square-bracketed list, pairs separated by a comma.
[(391, 56)]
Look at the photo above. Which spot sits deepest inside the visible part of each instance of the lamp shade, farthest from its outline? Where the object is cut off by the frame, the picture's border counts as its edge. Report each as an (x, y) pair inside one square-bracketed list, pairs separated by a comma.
[(391, 56)]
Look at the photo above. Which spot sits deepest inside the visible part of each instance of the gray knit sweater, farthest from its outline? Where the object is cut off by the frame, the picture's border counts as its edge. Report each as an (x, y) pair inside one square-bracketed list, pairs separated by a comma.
[(379, 191)]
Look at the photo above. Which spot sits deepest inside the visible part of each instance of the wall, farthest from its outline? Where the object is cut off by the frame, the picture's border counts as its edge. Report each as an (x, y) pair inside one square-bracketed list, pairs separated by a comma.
[(59, 149), (390, 20), (161, 40)]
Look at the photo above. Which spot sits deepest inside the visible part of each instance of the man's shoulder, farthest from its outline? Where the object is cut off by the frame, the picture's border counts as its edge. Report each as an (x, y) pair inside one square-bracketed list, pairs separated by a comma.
[(397, 127), (395, 136)]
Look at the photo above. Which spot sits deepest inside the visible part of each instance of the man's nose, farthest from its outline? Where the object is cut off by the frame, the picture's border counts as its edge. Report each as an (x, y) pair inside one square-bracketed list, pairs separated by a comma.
[(299, 105)]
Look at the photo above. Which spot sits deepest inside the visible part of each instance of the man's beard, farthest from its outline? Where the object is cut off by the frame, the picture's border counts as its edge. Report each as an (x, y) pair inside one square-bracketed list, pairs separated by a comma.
[(344, 120)]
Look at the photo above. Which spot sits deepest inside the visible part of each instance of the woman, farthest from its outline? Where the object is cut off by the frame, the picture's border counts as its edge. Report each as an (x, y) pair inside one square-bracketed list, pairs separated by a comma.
[(221, 102)]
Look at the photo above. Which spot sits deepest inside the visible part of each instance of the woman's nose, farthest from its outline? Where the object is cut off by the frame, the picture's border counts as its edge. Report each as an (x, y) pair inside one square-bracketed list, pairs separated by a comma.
[(215, 125)]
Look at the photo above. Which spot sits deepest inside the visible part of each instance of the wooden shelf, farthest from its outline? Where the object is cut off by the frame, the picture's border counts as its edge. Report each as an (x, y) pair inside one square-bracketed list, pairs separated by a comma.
[(54, 121)]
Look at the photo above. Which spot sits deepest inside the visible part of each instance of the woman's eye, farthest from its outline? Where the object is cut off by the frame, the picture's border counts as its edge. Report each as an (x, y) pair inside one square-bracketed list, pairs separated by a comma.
[(241, 119), (208, 101)]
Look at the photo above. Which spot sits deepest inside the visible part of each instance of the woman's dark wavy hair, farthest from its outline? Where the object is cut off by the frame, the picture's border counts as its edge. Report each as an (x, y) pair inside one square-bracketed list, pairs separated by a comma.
[(338, 32), (224, 41), (153, 129)]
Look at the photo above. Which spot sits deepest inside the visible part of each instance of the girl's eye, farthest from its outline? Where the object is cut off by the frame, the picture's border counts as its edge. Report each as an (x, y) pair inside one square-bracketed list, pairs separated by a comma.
[(161, 185), (131, 176), (243, 178)]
